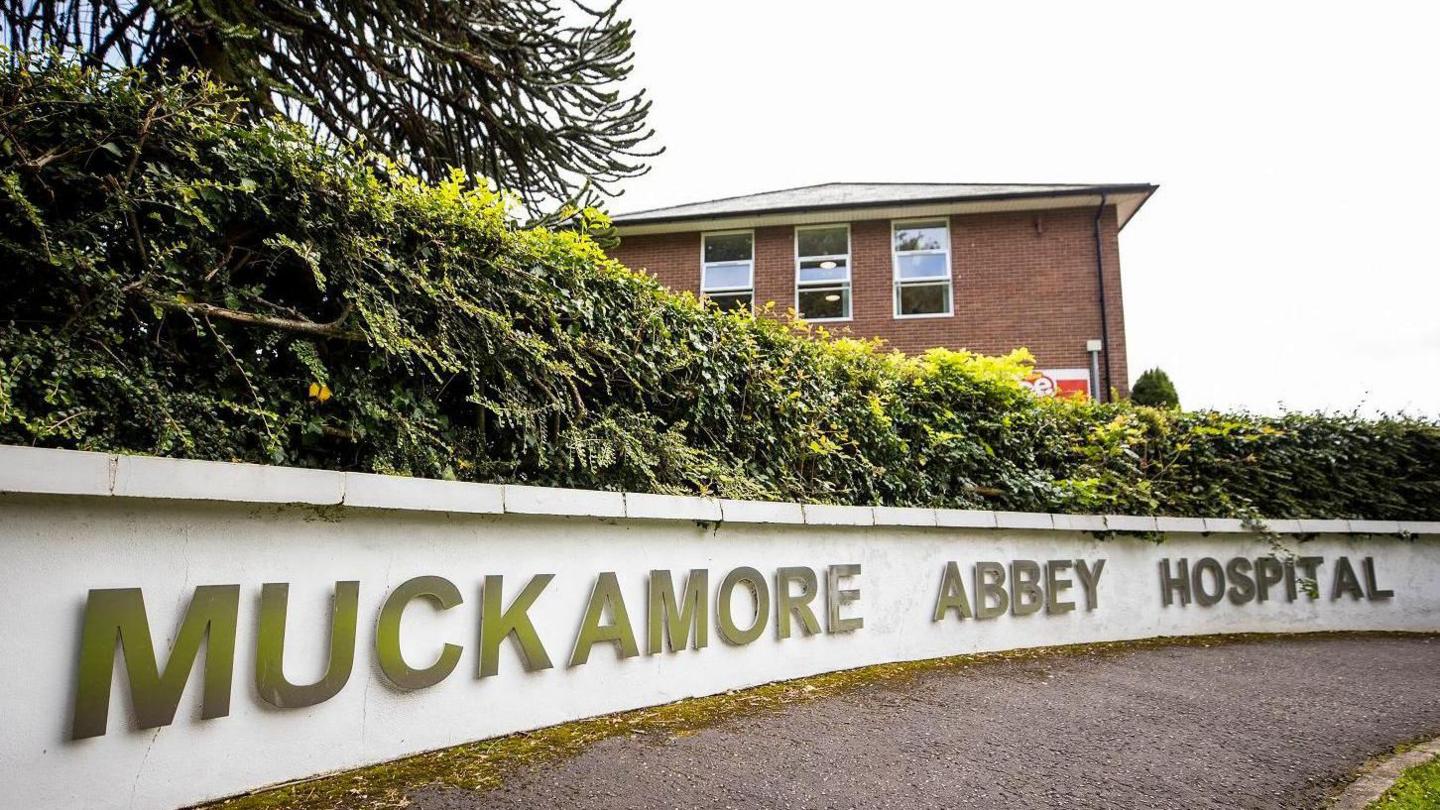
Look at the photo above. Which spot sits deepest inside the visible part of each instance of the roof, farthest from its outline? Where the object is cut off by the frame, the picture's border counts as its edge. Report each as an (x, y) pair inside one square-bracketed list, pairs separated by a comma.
[(779, 207)]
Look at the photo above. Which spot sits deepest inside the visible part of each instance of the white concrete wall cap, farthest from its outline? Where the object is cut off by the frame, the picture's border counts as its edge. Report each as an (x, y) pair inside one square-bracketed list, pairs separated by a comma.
[(904, 516), (422, 494), (1024, 520), (1281, 526), (527, 500), (185, 479), (1180, 524), (964, 519), (40, 471), (1374, 527), (1078, 523), (1226, 526), (824, 514), (671, 507), (1129, 523), (1325, 526), (44, 471), (782, 512)]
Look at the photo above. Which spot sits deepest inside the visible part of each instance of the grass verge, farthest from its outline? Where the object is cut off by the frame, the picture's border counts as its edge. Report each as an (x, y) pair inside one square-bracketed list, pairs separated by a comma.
[(1416, 789)]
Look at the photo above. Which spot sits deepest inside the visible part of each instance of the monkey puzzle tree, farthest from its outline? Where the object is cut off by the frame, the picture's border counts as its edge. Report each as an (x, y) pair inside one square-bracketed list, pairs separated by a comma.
[(525, 92)]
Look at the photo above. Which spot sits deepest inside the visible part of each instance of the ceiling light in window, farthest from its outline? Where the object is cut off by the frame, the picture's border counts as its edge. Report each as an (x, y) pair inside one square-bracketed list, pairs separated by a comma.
[(832, 297), (827, 265)]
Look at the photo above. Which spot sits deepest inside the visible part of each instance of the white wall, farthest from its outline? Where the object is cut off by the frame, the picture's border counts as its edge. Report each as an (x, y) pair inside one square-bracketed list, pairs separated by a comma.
[(71, 522)]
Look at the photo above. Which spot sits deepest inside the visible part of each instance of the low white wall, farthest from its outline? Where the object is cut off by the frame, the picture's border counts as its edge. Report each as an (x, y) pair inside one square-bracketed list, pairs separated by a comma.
[(73, 522)]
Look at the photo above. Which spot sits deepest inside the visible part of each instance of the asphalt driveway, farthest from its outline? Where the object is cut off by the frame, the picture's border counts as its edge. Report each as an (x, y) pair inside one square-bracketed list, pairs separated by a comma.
[(1270, 724)]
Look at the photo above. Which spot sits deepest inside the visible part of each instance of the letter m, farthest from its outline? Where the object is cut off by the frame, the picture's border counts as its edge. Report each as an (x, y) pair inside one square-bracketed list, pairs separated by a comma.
[(118, 615), (669, 619)]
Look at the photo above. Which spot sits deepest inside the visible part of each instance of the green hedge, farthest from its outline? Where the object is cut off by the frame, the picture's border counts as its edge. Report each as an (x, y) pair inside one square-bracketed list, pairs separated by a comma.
[(174, 281)]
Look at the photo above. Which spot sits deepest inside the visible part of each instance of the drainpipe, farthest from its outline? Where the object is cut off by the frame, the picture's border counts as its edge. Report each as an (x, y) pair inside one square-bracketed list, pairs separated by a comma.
[(1102, 395)]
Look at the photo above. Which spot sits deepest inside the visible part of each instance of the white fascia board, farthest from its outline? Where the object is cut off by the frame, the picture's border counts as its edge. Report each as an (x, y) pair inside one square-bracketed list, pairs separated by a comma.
[(1126, 203)]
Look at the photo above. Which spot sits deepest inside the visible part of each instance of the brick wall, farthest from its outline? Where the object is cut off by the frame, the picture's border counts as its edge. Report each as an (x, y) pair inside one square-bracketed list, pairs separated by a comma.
[(1021, 279)]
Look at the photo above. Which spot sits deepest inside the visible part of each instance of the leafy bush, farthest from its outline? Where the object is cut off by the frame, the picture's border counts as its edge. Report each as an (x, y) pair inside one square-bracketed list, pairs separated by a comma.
[(178, 282), (1155, 390)]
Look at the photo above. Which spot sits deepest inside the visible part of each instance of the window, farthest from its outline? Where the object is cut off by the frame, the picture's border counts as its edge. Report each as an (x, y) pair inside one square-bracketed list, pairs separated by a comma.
[(727, 268), (922, 268), (822, 272)]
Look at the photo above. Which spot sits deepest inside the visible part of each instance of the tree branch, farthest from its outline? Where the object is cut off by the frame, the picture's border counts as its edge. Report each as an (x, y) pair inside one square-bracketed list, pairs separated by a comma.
[(325, 330)]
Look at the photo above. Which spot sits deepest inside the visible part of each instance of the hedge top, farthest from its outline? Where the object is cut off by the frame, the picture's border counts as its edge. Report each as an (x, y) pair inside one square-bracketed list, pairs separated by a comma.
[(179, 282)]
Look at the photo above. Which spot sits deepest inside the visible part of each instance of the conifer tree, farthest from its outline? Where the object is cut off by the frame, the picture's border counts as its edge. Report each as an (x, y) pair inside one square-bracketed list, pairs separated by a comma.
[(1155, 389)]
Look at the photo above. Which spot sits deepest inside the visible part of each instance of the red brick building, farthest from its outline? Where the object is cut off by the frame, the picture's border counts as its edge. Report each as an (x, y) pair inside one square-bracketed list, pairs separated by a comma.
[(982, 267)]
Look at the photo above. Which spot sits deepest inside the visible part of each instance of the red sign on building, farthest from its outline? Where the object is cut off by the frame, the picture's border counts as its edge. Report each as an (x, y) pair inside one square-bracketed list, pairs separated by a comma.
[(1060, 382)]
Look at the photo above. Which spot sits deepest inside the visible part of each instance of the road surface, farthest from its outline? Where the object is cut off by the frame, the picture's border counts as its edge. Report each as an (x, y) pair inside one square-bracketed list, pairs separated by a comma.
[(1278, 723)]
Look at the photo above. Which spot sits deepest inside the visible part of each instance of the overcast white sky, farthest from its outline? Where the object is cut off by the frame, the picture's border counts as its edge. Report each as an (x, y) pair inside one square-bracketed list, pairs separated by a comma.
[(1291, 255)]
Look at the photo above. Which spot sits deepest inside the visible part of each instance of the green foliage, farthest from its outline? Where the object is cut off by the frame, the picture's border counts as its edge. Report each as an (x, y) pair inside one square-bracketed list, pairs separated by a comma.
[(531, 93), (181, 282), (1155, 390)]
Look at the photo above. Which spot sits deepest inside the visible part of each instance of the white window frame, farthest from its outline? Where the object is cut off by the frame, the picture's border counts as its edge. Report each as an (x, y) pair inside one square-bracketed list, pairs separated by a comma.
[(846, 286), (704, 265), (948, 281)]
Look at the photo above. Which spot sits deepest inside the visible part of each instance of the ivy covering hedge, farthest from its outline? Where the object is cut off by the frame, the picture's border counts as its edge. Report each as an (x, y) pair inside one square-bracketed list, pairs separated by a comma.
[(175, 282)]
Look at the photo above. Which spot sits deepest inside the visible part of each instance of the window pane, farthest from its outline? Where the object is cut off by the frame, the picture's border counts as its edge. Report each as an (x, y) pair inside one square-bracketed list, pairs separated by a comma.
[(924, 299), (729, 247), (831, 303), (922, 236), (727, 276), (816, 270), (921, 265), (822, 241), (729, 301)]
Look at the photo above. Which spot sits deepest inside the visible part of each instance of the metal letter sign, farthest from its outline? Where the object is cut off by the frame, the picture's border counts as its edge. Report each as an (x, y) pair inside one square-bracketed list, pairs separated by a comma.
[(116, 620)]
